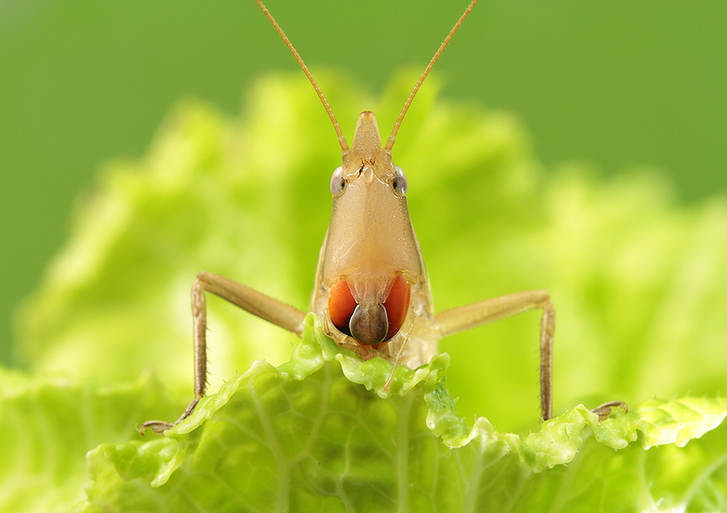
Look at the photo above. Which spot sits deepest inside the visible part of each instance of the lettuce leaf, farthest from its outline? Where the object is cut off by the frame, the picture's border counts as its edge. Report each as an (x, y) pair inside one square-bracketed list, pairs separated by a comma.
[(323, 433), (48, 424)]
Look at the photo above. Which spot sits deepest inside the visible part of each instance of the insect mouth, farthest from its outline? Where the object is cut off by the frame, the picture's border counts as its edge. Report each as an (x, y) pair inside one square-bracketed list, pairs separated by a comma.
[(369, 322)]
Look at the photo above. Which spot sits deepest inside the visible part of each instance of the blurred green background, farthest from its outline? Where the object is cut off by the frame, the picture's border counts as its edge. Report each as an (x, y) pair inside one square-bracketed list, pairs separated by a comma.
[(616, 84)]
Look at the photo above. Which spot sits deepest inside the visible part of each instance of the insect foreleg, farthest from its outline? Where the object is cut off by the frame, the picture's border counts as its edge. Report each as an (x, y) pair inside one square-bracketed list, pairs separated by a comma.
[(265, 307), (476, 314)]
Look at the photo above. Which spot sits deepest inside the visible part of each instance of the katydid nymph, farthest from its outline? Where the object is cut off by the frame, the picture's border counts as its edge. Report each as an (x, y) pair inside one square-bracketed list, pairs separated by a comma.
[(371, 292)]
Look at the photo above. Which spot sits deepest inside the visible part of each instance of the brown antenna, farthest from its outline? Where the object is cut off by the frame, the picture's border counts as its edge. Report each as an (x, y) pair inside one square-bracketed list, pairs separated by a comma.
[(392, 137), (341, 139)]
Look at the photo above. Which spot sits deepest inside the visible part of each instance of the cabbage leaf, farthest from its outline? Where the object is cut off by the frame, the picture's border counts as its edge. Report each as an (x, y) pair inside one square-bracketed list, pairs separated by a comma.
[(322, 432)]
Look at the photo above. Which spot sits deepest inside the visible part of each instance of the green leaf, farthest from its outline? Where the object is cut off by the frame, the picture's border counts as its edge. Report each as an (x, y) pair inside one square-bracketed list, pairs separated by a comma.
[(323, 433), (49, 423)]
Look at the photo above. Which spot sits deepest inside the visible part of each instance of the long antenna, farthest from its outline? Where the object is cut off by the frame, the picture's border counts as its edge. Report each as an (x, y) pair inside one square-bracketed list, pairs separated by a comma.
[(341, 139), (392, 137)]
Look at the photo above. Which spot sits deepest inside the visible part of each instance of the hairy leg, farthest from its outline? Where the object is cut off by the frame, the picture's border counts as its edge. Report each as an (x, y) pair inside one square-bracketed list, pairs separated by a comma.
[(265, 307)]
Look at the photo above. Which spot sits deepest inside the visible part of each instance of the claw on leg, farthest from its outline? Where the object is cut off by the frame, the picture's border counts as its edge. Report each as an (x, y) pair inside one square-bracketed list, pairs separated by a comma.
[(604, 410), (160, 426)]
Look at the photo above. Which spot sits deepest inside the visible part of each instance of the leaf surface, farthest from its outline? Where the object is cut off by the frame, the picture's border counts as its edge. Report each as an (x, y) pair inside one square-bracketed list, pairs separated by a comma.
[(322, 433)]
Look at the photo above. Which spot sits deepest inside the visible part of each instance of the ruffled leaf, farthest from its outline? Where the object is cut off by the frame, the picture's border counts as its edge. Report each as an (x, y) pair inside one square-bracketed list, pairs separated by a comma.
[(48, 424), (322, 433)]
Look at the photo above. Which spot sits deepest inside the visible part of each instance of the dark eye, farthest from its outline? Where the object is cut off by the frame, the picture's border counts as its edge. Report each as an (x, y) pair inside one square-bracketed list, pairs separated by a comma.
[(338, 183), (399, 182)]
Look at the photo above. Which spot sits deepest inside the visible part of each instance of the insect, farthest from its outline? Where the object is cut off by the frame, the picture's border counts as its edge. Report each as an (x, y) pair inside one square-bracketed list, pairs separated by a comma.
[(371, 292)]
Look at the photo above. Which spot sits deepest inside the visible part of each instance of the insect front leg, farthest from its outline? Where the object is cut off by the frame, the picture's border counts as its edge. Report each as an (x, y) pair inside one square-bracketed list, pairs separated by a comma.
[(265, 307), (476, 314)]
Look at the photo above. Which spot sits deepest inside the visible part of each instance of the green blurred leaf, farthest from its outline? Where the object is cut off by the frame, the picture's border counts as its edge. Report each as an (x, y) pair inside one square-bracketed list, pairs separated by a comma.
[(637, 281)]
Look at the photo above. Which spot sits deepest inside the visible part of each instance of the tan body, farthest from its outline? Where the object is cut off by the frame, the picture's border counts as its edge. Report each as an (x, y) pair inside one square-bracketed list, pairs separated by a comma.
[(371, 253), (369, 241)]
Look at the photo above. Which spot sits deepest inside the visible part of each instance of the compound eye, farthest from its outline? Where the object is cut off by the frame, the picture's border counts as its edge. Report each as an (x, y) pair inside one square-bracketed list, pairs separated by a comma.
[(399, 182), (338, 183)]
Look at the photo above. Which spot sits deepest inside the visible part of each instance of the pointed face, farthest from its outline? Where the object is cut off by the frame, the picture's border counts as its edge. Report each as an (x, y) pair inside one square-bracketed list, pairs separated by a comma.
[(371, 258)]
